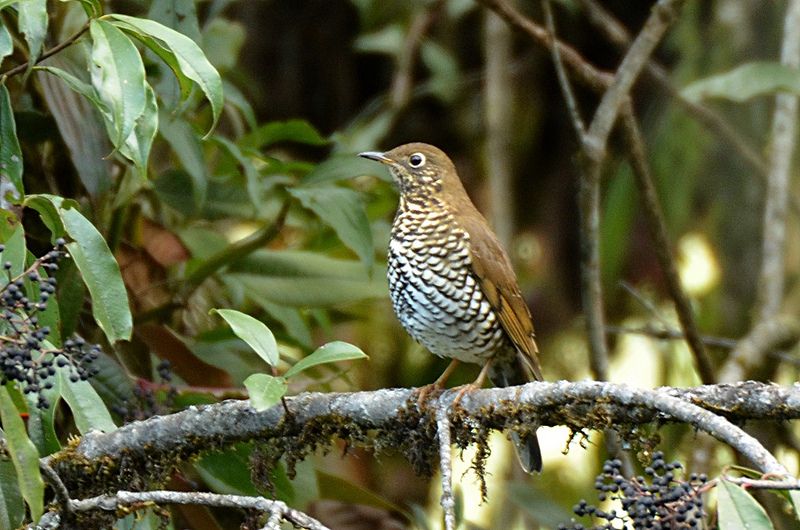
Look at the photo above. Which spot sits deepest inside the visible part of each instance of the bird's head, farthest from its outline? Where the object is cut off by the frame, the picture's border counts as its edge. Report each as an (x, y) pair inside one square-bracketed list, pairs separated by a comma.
[(418, 169)]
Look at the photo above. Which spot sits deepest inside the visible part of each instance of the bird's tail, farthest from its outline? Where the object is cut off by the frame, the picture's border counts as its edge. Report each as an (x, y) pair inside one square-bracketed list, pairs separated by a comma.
[(512, 371)]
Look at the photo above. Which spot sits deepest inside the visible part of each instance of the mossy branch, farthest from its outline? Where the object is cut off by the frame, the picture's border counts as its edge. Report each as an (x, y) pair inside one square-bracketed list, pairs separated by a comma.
[(142, 454)]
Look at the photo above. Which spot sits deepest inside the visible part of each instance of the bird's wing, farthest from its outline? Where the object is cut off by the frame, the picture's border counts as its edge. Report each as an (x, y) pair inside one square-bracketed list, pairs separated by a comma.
[(499, 284)]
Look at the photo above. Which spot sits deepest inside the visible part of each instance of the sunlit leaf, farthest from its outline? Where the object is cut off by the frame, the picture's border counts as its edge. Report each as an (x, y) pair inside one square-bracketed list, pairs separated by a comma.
[(737, 509), (254, 332), (290, 318), (746, 81), (10, 152), (182, 54), (344, 211), (23, 455), (118, 78), (332, 352), (265, 390)]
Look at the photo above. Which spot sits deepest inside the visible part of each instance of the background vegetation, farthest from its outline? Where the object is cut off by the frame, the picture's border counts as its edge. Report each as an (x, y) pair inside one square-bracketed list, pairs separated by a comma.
[(213, 167)]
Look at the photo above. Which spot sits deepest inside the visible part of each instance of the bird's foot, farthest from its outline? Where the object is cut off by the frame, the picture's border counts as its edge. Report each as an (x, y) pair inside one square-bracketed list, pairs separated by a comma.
[(424, 393), (464, 390)]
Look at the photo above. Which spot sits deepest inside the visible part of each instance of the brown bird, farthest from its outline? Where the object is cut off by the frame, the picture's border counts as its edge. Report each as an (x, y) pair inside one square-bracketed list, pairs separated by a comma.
[(451, 283)]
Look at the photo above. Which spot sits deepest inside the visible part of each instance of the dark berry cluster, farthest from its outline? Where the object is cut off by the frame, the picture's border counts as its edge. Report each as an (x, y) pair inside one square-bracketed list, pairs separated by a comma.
[(25, 356), (658, 500), (144, 402)]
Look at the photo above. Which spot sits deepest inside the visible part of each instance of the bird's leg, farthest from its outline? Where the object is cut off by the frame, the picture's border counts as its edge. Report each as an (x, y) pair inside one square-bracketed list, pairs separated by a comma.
[(475, 385), (438, 384)]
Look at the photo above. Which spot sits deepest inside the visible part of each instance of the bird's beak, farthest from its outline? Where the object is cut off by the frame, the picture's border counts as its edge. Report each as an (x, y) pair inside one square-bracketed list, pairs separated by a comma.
[(376, 156)]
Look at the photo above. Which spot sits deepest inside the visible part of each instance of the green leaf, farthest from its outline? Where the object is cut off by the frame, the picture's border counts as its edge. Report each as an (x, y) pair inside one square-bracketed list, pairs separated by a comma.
[(223, 40), (82, 88), (301, 279), (6, 44), (23, 455), (182, 54), (252, 176), (180, 15), (101, 274), (265, 390), (12, 509), (87, 407), (76, 109), (794, 497), (297, 131), (332, 352), (10, 152), (93, 258), (181, 137), (341, 167), (41, 422), (33, 23), (15, 250), (228, 471), (93, 8), (737, 509), (137, 145), (289, 317), (118, 78), (746, 81), (254, 332), (344, 211)]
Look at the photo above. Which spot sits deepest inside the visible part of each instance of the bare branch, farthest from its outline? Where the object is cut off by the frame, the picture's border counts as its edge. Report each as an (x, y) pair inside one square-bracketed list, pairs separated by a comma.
[(447, 501), (660, 236), (563, 80), (618, 35), (662, 15), (749, 354), (784, 134)]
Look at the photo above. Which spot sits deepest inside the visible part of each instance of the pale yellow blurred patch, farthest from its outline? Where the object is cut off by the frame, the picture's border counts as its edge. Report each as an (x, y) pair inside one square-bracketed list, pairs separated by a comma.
[(697, 264)]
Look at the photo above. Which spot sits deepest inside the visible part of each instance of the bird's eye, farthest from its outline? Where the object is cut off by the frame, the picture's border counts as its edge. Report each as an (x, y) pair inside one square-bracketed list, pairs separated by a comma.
[(416, 160)]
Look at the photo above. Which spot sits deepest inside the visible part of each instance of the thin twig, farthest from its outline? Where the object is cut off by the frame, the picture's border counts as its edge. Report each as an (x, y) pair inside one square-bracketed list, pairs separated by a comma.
[(563, 80), (275, 518), (661, 17), (670, 334), (49, 53), (784, 134), (447, 501), (618, 35), (403, 80), (658, 233), (138, 499), (765, 484)]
